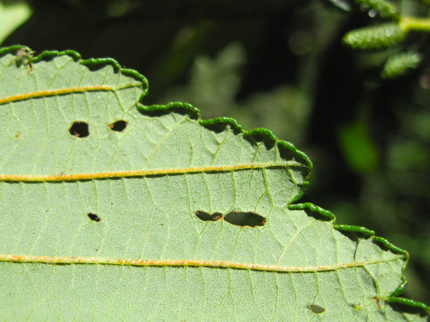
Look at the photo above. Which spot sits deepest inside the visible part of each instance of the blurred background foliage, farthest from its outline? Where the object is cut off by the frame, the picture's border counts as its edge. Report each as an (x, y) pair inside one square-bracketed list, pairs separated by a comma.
[(278, 64)]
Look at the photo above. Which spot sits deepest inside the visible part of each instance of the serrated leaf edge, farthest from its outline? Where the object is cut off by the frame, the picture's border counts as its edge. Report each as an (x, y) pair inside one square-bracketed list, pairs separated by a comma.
[(194, 113)]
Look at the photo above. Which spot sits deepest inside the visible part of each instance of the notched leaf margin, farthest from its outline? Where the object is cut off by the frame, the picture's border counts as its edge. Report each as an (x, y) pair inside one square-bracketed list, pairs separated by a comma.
[(92, 62), (225, 123), (363, 232), (259, 135)]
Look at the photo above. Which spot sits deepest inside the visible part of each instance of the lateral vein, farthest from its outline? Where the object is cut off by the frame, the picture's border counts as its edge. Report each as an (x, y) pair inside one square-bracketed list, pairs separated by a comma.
[(143, 173), (63, 91), (184, 263)]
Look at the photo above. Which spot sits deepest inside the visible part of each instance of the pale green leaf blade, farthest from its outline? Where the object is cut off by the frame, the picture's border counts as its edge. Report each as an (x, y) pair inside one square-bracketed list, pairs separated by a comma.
[(104, 226)]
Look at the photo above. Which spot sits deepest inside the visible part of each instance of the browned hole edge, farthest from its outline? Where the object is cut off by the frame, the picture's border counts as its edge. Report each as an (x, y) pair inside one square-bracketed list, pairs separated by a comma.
[(118, 126), (94, 217), (236, 218)]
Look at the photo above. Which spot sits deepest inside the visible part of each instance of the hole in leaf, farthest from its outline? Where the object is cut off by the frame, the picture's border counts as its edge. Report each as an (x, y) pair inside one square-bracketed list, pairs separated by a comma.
[(208, 217), (245, 219), (79, 129), (94, 217), (235, 218), (118, 126), (317, 309)]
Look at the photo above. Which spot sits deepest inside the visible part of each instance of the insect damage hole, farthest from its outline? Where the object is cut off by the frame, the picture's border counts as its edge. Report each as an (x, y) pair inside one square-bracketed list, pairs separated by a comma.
[(118, 126), (208, 217), (79, 129), (316, 309), (94, 217), (245, 219)]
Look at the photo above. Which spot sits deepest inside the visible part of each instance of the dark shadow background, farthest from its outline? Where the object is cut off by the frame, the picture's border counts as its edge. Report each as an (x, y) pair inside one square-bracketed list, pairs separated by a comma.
[(279, 65)]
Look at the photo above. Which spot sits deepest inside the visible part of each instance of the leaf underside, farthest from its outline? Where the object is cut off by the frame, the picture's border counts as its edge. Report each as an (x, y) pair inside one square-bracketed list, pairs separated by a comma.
[(134, 219)]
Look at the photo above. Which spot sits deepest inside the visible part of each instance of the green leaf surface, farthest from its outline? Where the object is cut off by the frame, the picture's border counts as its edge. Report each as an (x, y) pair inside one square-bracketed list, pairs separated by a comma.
[(375, 37), (111, 210), (400, 63), (12, 16)]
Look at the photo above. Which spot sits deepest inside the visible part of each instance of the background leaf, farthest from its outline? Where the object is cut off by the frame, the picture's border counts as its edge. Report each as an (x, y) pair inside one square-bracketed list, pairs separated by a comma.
[(119, 210)]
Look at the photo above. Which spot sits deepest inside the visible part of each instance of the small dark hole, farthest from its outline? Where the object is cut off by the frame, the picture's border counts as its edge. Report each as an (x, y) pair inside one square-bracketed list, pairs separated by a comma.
[(245, 219), (94, 217), (317, 309), (208, 217), (118, 126), (79, 129)]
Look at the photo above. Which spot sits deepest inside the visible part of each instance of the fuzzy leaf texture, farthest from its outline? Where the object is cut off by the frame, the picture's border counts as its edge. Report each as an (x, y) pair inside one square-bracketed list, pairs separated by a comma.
[(375, 37), (111, 210), (400, 63)]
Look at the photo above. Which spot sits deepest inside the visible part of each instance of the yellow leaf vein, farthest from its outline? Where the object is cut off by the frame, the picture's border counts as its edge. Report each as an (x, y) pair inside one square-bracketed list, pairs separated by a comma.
[(186, 263), (63, 91), (142, 173)]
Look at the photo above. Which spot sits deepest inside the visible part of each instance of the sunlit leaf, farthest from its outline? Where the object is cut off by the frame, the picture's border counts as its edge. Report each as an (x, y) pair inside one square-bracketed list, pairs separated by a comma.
[(110, 210)]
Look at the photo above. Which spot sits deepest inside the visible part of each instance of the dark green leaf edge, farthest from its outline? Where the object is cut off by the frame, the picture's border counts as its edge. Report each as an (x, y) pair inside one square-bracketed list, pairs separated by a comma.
[(407, 302), (46, 55), (302, 206), (223, 123)]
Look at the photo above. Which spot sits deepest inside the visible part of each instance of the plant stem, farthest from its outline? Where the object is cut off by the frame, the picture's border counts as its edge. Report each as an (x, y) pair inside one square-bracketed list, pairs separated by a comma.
[(415, 24)]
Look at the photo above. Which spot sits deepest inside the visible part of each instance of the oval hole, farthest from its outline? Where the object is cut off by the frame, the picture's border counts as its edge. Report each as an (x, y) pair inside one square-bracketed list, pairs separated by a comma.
[(118, 126), (79, 129), (245, 219), (317, 309), (94, 217), (208, 217)]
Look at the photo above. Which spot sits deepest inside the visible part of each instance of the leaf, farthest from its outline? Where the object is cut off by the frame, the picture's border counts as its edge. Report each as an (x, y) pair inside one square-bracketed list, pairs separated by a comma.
[(12, 16), (400, 63), (111, 210), (375, 37), (384, 8)]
